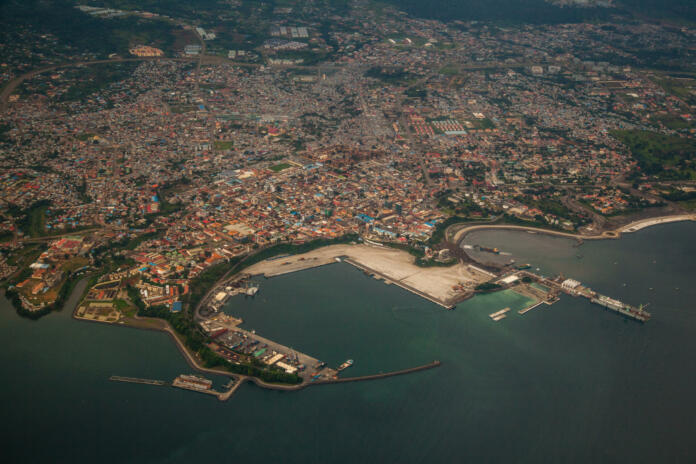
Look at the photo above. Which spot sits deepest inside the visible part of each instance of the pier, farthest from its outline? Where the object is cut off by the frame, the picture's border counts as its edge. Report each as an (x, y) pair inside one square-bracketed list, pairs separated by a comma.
[(381, 375), (498, 315), (378, 275), (576, 289), (118, 378)]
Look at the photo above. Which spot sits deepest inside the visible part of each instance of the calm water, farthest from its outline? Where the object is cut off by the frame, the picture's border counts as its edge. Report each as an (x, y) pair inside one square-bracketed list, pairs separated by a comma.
[(566, 383)]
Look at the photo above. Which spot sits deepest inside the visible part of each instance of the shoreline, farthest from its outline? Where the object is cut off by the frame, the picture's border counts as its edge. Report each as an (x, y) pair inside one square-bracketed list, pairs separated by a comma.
[(193, 363), (394, 273), (634, 226)]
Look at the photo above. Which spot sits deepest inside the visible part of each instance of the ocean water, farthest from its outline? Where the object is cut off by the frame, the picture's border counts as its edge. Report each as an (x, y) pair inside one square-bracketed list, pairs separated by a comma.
[(566, 383)]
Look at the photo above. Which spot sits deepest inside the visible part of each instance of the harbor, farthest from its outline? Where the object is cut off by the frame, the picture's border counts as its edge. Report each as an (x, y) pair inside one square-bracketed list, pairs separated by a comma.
[(186, 382), (546, 291), (564, 352)]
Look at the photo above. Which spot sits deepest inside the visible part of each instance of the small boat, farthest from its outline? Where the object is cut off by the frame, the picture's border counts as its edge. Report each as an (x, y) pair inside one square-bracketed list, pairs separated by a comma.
[(251, 291), (345, 365)]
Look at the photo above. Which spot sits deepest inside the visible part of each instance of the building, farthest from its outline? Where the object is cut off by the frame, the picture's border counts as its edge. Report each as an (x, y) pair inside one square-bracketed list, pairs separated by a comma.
[(146, 51)]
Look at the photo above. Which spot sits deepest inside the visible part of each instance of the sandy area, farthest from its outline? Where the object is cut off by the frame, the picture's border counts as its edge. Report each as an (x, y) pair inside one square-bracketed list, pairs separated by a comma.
[(638, 225), (397, 266)]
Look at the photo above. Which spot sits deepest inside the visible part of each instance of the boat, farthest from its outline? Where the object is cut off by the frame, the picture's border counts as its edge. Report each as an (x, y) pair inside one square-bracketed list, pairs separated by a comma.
[(338, 260), (251, 291), (345, 365), (489, 250), (522, 267)]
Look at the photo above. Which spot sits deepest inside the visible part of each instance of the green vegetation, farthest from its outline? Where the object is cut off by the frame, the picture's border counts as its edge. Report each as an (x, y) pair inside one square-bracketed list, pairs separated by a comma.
[(680, 88), (416, 92), (487, 287), (84, 136), (663, 156), (91, 79), (392, 76), (674, 122), (223, 144), (280, 167), (185, 326), (101, 36), (66, 289), (685, 199), (180, 109), (449, 70), (438, 234), (133, 243), (33, 222), (4, 129), (419, 254)]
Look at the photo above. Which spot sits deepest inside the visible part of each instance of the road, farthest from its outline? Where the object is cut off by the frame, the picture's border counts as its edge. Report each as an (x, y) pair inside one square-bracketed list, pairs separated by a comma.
[(607, 234)]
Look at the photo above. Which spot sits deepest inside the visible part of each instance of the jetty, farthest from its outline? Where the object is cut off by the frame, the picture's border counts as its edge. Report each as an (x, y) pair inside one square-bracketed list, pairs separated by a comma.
[(384, 375), (380, 276), (575, 288), (118, 378), (498, 315)]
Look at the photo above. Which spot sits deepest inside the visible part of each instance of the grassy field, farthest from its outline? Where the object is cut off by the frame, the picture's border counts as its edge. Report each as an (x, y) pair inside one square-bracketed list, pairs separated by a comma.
[(280, 167), (659, 155), (223, 144), (674, 122)]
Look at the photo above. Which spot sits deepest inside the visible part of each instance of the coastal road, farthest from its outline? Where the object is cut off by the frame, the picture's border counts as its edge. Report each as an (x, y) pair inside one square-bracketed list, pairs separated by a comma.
[(459, 235)]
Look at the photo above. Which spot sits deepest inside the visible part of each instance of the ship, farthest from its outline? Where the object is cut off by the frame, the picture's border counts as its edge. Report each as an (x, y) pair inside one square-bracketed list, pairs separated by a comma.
[(522, 267), (345, 365), (193, 382), (251, 291), (489, 250)]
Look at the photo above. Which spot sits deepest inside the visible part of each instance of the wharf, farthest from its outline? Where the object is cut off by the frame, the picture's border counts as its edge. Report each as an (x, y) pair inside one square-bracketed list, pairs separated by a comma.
[(199, 390), (576, 289), (118, 378), (407, 287), (498, 315)]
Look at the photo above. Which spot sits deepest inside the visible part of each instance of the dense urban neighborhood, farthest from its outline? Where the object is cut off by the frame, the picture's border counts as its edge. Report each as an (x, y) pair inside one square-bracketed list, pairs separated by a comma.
[(157, 164)]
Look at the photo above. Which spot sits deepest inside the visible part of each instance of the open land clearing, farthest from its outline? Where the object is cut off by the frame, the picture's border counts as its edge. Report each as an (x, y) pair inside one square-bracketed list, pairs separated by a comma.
[(443, 285)]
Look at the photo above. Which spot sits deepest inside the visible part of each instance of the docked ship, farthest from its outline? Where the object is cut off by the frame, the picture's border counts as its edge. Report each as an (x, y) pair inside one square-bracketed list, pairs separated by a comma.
[(345, 365), (251, 291), (193, 382), (619, 306)]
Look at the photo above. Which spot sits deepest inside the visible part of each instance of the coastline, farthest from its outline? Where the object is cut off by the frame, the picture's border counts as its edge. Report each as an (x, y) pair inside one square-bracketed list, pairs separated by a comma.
[(388, 264), (160, 325), (463, 230), (444, 286)]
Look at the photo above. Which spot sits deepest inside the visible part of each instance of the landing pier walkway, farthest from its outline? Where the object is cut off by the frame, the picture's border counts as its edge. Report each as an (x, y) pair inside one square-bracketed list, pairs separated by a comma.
[(118, 378)]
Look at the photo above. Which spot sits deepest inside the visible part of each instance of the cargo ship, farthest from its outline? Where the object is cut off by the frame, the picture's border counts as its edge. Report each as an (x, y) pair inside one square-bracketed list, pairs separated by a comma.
[(345, 365), (522, 267), (639, 313)]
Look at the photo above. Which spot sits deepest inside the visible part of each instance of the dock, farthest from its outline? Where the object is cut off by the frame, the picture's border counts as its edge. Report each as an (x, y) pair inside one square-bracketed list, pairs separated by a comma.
[(118, 378), (522, 311), (380, 276), (498, 315), (577, 289)]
